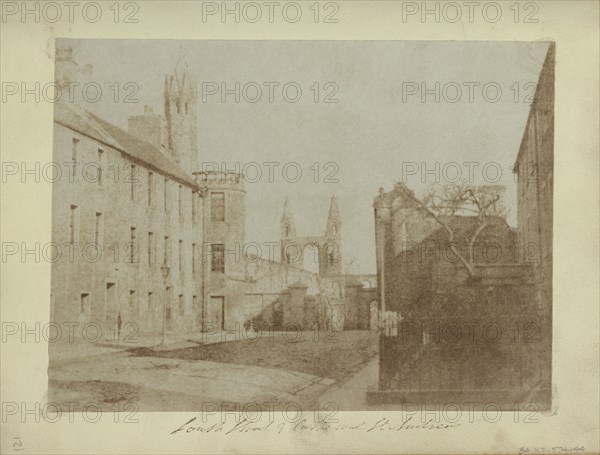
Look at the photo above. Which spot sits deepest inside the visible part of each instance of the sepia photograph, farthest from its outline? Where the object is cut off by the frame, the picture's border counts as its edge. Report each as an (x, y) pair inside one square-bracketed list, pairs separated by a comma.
[(301, 222), (300, 227)]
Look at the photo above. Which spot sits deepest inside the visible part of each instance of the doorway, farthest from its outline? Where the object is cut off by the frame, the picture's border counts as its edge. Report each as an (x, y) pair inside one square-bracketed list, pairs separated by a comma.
[(216, 312)]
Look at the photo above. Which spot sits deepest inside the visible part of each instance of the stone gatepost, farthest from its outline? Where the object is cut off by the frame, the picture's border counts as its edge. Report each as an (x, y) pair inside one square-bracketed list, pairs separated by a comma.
[(293, 308)]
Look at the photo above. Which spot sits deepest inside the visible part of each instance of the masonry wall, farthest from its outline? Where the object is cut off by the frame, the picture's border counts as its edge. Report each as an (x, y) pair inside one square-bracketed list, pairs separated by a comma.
[(113, 283), (280, 294), (535, 169)]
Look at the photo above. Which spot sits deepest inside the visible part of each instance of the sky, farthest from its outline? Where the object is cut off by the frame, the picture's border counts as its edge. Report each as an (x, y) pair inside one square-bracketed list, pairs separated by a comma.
[(362, 142)]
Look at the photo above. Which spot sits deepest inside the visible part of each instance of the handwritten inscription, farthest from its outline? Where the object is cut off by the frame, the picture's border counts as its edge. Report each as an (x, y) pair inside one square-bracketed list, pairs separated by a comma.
[(248, 426)]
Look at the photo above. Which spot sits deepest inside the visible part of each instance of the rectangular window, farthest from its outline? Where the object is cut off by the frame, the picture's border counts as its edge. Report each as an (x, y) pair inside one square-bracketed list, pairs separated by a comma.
[(217, 260), (84, 305), (132, 307), (151, 249), (150, 189), (180, 253), (193, 258), (217, 206), (194, 214), (100, 165), (74, 157), (74, 224), (132, 182), (132, 247), (99, 229), (180, 200), (168, 295), (166, 194), (181, 304), (167, 251)]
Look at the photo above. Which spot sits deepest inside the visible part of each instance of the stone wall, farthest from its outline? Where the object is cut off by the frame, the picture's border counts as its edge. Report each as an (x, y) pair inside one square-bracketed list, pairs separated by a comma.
[(279, 294), (94, 284)]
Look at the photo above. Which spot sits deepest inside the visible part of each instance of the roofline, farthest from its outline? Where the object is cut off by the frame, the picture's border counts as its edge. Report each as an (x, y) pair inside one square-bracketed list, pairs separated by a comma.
[(551, 50), (133, 158)]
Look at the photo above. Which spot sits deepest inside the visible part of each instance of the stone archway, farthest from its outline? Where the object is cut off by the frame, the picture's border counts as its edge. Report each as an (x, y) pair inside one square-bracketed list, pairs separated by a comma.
[(322, 251)]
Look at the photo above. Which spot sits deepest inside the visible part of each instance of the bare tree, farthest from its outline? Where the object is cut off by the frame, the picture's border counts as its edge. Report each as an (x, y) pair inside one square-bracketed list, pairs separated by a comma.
[(447, 200)]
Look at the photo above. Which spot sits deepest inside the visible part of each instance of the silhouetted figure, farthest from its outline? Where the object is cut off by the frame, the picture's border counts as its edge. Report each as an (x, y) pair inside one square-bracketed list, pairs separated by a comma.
[(119, 322)]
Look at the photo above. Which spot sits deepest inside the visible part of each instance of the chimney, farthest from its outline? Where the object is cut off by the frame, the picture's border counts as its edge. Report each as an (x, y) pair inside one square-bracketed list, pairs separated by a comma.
[(150, 127), (65, 67)]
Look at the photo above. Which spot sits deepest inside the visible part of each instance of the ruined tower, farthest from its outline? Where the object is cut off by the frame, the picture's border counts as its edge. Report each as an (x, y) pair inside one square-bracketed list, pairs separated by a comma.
[(180, 96), (331, 262), (329, 245)]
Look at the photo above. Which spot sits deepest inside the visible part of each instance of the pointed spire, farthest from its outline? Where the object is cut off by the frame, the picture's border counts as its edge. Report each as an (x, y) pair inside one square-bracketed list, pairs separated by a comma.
[(179, 83), (334, 222), (181, 67), (334, 211), (286, 209), (288, 228)]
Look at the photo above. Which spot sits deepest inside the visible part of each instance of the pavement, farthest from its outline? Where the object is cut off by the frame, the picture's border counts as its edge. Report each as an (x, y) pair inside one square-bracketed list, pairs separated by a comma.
[(351, 395), (79, 349), (156, 384), (107, 373)]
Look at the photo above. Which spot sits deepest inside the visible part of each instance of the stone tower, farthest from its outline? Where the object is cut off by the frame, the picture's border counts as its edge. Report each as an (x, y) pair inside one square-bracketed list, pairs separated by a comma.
[(331, 262), (329, 245), (288, 231), (180, 96)]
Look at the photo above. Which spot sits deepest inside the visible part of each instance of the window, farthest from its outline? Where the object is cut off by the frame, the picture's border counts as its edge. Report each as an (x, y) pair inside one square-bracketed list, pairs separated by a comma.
[(84, 305), (180, 254), (132, 307), (74, 224), (132, 181), (217, 261), (217, 206), (150, 189), (194, 201), (151, 254), (331, 258), (74, 157), (166, 194), (168, 294), (132, 247), (193, 258), (181, 312), (167, 251), (180, 200), (100, 165), (99, 229)]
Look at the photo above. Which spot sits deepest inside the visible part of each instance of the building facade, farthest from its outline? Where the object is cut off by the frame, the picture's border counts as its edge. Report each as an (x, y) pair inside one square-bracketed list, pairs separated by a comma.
[(534, 168), (452, 333), (130, 214), (146, 243)]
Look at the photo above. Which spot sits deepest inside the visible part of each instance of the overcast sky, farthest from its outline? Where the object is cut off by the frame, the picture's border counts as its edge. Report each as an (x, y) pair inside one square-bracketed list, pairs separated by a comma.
[(369, 133)]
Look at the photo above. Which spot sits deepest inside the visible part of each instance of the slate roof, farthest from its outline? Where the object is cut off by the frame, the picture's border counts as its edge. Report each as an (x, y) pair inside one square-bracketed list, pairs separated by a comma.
[(89, 124)]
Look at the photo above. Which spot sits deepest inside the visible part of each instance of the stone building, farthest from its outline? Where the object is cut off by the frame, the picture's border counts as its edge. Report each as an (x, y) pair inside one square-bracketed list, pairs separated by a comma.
[(140, 236), (453, 333), (534, 168), (127, 207)]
